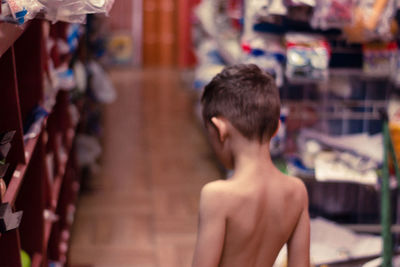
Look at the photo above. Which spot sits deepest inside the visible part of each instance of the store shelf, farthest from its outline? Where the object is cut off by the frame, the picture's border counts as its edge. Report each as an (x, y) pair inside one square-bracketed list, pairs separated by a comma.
[(37, 260), (47, 231), (9, 33), (29, 188), (19, 173)]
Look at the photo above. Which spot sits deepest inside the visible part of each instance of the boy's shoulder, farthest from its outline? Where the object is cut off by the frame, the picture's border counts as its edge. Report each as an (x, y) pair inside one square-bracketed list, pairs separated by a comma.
[(215, 195), (215, 189), (296, 187)]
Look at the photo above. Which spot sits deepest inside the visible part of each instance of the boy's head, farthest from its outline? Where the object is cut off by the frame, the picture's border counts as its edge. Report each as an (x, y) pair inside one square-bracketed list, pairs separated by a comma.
[(247, 97), (241, 100)]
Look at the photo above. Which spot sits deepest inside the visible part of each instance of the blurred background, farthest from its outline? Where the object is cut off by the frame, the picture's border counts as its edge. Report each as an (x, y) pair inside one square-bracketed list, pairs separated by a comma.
[(103, 152)]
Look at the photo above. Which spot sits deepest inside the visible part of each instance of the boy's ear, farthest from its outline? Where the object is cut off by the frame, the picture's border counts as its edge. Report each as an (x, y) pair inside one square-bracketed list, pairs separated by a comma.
[(221, 126), (277, 129)]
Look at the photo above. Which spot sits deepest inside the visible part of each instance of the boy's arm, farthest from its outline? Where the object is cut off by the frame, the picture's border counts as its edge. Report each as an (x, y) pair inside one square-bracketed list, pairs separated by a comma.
[(211, 233), (299, 242)]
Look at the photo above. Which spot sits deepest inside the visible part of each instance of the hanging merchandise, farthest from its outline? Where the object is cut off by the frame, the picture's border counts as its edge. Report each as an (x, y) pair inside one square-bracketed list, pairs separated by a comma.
[(235, 12), (332, 14), (54, 10), (311, 3), (307, 57), (74, 32), (277, 7), (379, 59), (74, 10), (265, 8), (210, 63), (267, 52), (373, 19), (21, 10), (101, 84), (277, 144), (216, 22), (88, 150)]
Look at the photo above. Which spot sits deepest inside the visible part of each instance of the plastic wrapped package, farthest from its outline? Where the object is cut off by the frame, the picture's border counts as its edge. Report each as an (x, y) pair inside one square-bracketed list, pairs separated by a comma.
[(210, 63), (277, 144), (74, 10), (265, 8), (373, 19), (101, 84), (380, 59), (54, 10), (21, 10), (333, 14), (311, 3), (307, 57), (88, 149), (206, 12), (267, 52)]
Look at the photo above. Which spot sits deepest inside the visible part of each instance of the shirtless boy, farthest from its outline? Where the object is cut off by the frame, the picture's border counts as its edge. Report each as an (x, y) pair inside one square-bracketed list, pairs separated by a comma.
[(246, 219)]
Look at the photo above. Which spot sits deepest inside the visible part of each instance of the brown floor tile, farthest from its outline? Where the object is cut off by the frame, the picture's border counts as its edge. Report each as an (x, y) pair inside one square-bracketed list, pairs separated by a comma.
[(143, 208)]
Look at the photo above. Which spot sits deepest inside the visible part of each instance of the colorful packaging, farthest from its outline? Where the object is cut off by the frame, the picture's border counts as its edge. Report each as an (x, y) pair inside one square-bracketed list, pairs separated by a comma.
[(332, 14), (268, 52), (379, 58), (307, 57)]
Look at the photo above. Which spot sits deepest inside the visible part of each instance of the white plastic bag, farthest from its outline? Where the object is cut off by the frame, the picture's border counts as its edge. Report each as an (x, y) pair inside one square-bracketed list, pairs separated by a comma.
[(101, 84)]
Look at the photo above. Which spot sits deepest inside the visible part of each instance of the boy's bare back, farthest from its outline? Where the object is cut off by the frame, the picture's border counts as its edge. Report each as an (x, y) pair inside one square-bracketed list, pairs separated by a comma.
[(248, 220), (245, 220)]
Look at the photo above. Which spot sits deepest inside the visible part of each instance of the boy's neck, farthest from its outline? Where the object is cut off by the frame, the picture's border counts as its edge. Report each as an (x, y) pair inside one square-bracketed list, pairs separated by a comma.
[(253, 159)]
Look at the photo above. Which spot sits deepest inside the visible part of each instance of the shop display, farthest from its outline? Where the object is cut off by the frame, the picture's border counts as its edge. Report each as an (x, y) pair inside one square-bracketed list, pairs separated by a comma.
[(44, 105), (380, 59), (331, 242), (101, 84), (54, 10), (307, 57), (333, 14), (336, 63), (373, 19)]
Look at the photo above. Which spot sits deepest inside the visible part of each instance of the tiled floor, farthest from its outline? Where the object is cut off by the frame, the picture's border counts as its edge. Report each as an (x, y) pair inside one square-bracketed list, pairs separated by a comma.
[(143, 208)]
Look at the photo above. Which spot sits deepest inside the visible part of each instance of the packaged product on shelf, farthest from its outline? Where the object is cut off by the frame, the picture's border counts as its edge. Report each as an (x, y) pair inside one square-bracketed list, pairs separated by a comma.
[(307, 57), (21, 10), (267, 52), (373, 19), (205, 12), (379, 58), (80, 76), (101, 84), (88, 149), (277, 7), (311, 3), (34, 121), (264, 8), (54, 10), (74, 10), (215, 21), (332, 14), (277, 145), (394, 124), (345, 167), (332, 242), (235, 12), (210, 63)]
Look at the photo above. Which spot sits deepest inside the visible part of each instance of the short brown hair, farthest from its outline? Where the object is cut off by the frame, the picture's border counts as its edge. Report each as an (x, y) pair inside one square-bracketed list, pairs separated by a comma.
[(247, 97)]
